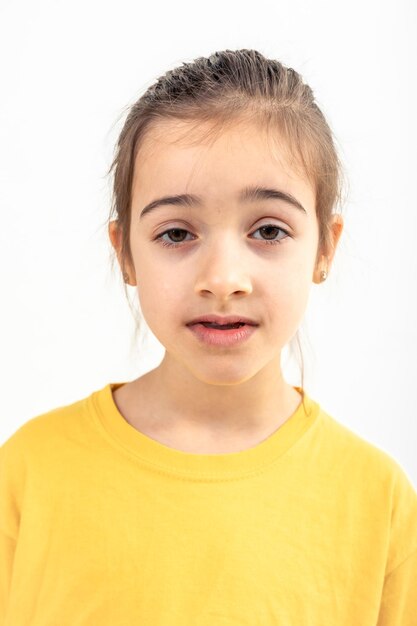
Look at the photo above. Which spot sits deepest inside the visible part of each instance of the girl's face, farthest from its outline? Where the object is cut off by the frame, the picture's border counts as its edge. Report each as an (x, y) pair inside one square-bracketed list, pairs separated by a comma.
[(252, 257)]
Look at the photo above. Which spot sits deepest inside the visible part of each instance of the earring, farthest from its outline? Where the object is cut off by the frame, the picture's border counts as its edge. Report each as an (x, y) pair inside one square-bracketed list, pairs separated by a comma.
[(323, 275), (126, 277)]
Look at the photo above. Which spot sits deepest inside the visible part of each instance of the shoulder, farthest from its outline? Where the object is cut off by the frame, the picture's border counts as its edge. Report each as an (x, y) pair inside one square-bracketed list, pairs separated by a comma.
[(379, 475), (373, 482), (45, 432), (352, 449), (37, 456)]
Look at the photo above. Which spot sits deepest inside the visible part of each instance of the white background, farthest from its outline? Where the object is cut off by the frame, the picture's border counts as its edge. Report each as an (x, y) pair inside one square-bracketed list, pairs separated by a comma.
[(69, 71)]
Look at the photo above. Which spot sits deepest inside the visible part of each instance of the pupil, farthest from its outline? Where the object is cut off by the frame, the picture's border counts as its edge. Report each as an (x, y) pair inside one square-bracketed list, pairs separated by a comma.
[(177, 233), (268, 228)]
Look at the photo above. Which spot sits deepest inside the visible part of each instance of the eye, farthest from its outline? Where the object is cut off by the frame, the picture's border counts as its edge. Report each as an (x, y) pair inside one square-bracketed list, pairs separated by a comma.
[(266, 229), (167, 232)]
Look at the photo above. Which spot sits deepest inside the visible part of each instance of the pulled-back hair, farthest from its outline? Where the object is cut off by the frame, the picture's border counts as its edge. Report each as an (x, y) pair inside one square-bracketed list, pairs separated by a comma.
[(228, 86)]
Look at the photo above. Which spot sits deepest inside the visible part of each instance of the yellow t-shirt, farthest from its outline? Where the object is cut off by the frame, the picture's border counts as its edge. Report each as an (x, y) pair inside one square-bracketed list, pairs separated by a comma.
[(101, 525)]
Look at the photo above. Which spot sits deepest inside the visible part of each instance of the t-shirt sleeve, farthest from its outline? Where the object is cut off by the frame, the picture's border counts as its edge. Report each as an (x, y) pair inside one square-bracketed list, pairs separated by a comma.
[(11, 480), (398, 605), (399, 597), (7, 548)]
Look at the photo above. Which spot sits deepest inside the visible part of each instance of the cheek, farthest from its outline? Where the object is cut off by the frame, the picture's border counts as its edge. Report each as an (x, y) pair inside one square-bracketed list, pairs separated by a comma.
[(287, 297), (159, 297)]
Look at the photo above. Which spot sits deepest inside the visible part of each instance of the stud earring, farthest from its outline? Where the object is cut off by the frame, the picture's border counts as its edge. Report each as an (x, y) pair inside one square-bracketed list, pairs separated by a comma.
[(323, 275), (125, 277)]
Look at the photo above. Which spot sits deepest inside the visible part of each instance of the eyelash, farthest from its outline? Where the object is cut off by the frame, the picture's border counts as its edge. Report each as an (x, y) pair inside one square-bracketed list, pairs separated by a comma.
[(179, 243)]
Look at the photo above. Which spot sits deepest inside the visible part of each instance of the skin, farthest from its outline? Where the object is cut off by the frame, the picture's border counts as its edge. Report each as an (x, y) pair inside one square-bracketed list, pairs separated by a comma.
[(203, 398)]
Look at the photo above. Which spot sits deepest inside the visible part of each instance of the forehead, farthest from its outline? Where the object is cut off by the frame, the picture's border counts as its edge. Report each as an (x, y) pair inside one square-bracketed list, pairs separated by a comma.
[(177, 157)]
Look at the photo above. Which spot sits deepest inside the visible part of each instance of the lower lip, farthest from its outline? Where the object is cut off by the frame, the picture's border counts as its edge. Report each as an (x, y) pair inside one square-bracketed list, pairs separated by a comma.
[(216, 337)]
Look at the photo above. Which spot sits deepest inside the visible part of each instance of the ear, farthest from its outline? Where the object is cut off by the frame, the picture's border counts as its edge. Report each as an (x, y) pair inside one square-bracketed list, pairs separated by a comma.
[(115, 235), (326, 260)]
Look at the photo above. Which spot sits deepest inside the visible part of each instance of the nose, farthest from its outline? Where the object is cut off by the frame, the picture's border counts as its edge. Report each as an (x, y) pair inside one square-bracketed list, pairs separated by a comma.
[(221, 271)]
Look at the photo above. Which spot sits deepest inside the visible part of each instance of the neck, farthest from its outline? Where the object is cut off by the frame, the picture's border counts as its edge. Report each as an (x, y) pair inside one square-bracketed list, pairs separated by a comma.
[(176, 399)]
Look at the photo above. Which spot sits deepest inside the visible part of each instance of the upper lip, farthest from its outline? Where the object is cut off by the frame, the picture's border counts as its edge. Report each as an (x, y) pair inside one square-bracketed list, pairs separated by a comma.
[(218, 319)]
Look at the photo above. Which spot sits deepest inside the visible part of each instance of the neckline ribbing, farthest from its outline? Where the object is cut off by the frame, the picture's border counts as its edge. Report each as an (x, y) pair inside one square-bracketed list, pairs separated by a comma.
[(191, 465)]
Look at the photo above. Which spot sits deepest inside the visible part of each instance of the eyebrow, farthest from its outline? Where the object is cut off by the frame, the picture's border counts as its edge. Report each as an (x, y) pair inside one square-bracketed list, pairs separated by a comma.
[(248, 194)]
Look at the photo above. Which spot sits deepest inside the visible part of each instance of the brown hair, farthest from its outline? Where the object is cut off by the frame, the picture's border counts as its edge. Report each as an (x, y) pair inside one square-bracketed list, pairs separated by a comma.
[(226, 86)]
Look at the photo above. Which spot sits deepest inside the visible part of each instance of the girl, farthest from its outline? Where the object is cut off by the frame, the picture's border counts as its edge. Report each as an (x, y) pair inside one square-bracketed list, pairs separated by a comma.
[(209, 491)]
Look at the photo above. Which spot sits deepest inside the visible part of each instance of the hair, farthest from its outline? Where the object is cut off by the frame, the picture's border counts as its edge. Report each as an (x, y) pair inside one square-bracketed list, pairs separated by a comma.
[(230, 86)]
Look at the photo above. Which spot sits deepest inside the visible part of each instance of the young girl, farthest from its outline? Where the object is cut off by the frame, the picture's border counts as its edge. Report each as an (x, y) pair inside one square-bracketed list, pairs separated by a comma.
[(209, 491)]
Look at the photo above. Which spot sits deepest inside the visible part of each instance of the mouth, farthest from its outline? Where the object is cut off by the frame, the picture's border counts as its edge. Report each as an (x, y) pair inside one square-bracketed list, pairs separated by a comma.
[(222, 322), (222, 335), (220, 326)]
